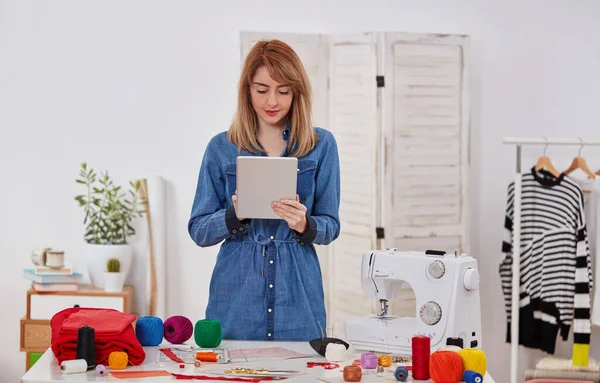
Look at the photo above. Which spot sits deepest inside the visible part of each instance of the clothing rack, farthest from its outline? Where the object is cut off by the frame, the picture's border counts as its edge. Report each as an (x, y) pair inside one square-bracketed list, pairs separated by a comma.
[(516, 272)]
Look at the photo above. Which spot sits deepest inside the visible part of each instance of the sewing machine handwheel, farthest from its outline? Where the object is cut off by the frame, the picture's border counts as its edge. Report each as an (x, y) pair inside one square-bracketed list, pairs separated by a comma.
[(401, 374)]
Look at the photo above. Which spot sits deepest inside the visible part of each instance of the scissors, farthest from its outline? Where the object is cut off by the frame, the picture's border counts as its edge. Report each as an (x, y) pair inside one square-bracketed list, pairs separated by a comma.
[(259, 371)]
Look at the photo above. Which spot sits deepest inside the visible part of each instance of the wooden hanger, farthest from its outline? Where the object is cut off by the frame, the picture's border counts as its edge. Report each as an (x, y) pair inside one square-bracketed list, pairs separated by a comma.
[(545, 163), (580, 163)]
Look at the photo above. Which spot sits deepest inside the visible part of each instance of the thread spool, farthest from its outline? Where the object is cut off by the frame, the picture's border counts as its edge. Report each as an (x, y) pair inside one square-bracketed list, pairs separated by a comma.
[(178, 329), (207, 356), (74, 366), (86, 346), (117, 360), (446, 367), (474, 360), (451, 348), (471, 376), (384, 360), (420, 357), (352, 374), (368, 360), (207, 333), (401, 374), (55, 258), (335, 352), (100, 370), (149, 330)]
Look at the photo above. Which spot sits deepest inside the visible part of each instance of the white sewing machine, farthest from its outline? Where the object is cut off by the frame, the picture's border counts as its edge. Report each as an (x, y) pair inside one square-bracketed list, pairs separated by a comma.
[(446, 287)]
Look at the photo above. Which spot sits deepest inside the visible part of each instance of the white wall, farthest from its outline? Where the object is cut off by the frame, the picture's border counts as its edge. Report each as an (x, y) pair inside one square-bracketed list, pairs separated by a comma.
[(140, 87)]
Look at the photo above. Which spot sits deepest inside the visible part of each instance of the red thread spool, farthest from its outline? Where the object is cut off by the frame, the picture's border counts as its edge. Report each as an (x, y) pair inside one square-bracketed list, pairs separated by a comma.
[(421, 348), (446, 367)]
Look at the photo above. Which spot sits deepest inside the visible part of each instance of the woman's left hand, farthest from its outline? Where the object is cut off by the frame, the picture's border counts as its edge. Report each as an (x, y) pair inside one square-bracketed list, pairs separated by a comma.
[(293, 212)]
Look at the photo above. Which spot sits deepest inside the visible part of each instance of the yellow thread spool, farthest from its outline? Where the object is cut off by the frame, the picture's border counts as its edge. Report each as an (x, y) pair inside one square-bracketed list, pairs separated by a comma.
[(117, 360), (384, 360), (473, 359)]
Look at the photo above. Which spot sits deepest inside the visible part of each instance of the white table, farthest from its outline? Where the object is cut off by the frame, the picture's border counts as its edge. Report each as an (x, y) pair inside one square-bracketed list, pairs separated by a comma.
[(46, 369)]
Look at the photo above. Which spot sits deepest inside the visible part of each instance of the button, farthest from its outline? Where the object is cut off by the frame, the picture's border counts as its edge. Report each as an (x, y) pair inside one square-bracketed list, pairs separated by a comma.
[(473, 333), (269, 335), (241, 229), (272, 238), (302, 243), (270, 310), (473, 343), (271, 261), (234, 231), (247, 225), (271, 286)]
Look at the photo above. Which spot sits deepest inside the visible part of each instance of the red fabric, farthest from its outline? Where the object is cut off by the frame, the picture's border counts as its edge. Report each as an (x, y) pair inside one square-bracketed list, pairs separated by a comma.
[(113, 331)]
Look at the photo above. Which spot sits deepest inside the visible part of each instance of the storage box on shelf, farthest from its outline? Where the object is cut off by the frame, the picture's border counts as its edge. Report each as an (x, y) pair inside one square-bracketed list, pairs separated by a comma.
[(35, 326)]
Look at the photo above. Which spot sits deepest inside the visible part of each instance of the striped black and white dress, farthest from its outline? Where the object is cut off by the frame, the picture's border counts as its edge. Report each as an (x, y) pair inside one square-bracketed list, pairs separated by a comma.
[(556, 274)]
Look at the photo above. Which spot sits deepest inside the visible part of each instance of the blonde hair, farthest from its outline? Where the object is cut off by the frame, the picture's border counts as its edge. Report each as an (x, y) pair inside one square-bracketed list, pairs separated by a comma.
[(284, 66)]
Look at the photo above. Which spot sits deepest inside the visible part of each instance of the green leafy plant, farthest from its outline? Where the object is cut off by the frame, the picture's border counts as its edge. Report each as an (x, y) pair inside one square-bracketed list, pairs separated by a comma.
[(108, 209), (113, 265)]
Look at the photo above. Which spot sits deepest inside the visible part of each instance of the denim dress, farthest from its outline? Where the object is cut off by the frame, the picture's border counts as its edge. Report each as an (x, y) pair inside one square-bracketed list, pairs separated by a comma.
[(267, 282)]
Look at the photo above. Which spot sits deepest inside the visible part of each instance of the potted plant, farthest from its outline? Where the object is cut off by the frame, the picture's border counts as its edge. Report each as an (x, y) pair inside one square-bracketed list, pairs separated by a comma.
[(113, 277), (109, 212)]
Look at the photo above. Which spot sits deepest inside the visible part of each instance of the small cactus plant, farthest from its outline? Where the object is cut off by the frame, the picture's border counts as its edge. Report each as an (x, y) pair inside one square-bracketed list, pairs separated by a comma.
[(113, 265)]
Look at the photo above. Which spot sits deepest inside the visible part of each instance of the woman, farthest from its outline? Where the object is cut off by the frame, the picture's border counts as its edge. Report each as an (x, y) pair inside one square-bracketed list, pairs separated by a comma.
[(267, 282)]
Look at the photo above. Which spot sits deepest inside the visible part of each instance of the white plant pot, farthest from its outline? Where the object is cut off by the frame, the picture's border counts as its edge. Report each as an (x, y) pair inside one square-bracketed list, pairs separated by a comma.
[(96, 257), (113, 282)]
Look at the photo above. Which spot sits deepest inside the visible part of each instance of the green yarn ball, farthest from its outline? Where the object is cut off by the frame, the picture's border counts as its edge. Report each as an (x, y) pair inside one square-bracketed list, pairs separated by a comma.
[(208, 333)]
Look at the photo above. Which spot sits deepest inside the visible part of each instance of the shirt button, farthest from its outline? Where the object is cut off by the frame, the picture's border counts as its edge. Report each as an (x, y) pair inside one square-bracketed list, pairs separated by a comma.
[(269, 335), (271, 286), (272, 238), (271, 261), (234, 231), (270, 310)]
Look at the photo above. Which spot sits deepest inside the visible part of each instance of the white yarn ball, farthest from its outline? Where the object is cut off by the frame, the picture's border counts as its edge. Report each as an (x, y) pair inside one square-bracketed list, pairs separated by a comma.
[(335, 352)]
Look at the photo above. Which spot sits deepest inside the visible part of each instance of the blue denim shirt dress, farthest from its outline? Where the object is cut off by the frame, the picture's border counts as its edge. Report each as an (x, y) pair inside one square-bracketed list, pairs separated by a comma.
[(267, 282)]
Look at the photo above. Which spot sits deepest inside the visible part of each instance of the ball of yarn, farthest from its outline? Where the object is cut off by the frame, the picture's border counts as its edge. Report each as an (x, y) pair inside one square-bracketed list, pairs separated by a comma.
[(471, 376), (473, 359), (384, 360), (445, 367), (117, 360), (368, 360), (178, 329), (335, 352), (352, 374), (149, 331), (208, 333)]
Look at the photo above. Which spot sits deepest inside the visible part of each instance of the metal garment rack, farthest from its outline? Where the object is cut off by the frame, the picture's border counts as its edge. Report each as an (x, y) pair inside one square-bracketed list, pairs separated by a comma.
[(516, 272)]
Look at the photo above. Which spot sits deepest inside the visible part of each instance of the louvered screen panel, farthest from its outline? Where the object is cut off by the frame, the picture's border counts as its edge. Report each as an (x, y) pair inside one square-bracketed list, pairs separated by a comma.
[(353, 121), (427, 153)]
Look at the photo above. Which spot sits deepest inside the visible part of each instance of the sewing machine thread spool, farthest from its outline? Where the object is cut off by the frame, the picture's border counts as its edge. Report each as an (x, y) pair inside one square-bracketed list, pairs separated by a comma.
[(100, 370), (401, 374), (471, 376), (74, 366), (86, 346), (421, 349)]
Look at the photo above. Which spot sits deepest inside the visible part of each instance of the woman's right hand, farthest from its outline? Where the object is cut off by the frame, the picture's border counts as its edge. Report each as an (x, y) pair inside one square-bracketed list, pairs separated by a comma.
[(234, 199)]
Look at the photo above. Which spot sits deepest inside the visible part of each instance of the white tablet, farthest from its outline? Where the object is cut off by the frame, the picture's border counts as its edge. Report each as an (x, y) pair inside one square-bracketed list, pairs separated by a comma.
[(262, 180)]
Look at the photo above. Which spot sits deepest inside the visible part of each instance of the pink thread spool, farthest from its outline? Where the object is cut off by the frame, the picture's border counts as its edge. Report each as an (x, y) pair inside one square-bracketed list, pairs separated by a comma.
[(369, 361)]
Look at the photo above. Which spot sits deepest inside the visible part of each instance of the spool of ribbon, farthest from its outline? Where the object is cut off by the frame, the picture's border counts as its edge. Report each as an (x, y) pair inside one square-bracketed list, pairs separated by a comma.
[(74, 366)]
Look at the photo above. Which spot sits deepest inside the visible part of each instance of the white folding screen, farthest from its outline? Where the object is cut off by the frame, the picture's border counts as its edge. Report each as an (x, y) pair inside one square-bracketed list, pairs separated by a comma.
[(403, 149)]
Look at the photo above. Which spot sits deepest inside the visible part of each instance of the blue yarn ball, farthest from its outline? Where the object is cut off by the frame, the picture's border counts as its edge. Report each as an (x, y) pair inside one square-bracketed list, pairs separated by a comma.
[(149, 331)]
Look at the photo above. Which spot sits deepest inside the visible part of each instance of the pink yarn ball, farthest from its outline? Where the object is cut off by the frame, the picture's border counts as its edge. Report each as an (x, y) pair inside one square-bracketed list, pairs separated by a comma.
[(369, 360), (178, 329)]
